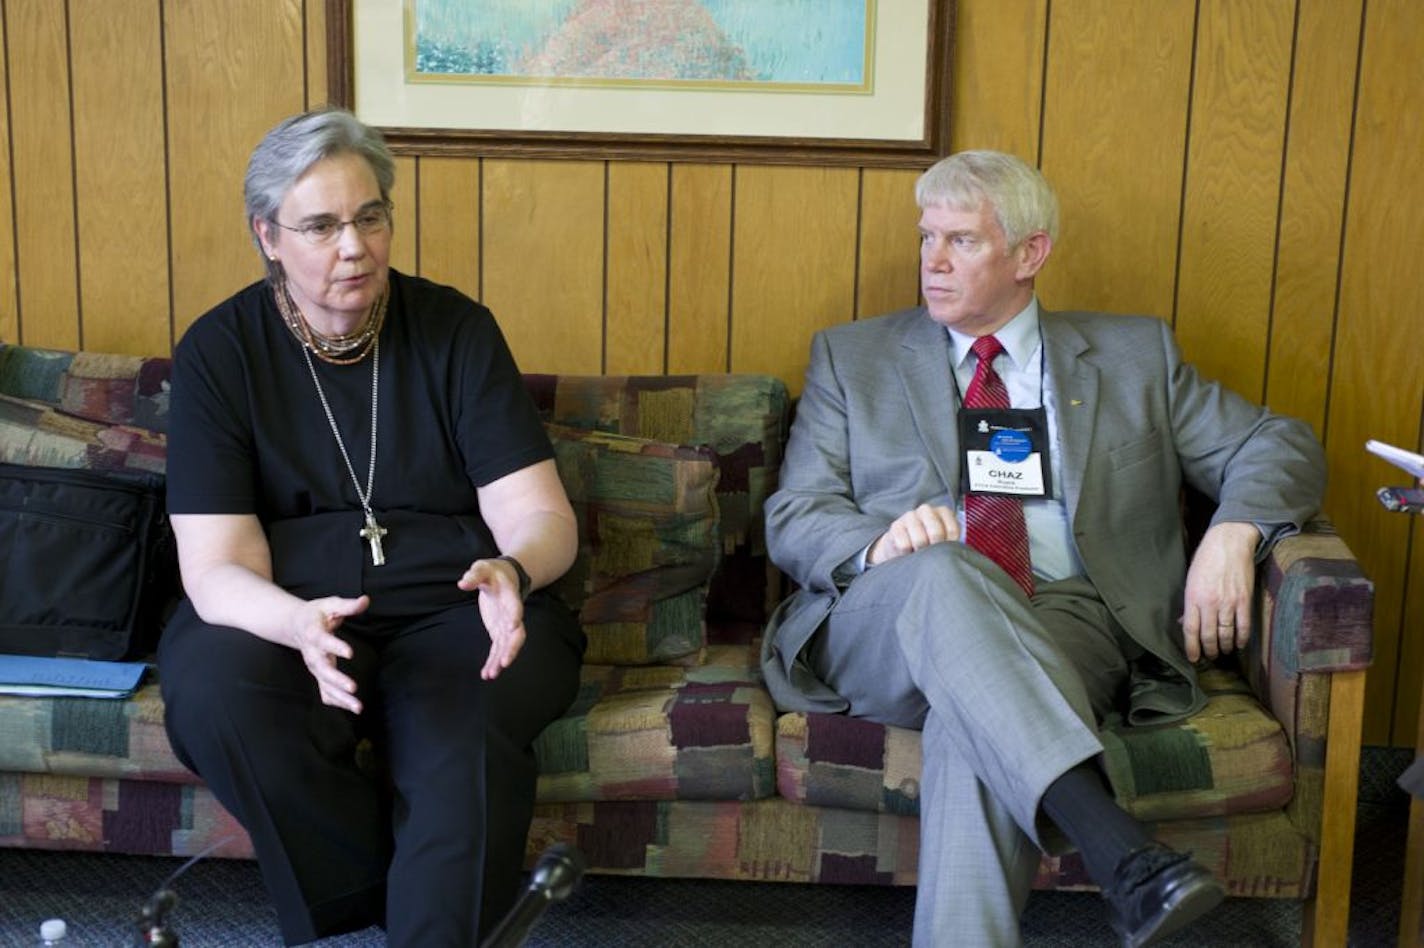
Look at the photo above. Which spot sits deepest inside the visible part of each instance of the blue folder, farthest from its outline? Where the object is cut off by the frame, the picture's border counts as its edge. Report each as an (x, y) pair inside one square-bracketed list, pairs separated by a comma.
[(68, 677)]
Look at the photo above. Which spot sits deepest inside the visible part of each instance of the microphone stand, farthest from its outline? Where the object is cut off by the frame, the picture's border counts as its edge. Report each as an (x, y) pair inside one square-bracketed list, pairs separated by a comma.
[(153, 927), (554, 879)]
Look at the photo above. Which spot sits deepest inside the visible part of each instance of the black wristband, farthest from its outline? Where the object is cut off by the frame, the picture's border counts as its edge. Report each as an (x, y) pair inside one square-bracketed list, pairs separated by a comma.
[(525, 583)]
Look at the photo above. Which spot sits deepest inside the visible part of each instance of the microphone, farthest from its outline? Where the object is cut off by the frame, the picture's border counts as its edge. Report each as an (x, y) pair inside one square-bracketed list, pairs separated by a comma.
[(554, 879), (153, 921), (152, 927)]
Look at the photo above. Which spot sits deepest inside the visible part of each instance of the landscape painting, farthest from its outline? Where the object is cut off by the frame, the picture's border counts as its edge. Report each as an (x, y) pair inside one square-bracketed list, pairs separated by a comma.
[(815, 45), (854, 82)]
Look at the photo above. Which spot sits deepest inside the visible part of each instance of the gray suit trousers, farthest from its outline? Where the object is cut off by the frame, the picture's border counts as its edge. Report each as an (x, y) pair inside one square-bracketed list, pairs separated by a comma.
[(1009, 692)]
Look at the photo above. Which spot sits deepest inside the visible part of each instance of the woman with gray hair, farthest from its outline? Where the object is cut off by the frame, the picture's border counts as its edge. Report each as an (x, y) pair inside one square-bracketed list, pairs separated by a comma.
[(367, 511)]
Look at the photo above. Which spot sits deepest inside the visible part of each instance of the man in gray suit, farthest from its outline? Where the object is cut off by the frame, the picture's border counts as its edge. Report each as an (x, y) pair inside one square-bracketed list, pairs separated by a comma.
[(1068, 604)]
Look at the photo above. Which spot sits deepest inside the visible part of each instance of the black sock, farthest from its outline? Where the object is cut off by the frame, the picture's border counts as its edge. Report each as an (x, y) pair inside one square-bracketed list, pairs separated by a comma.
[(1080, 804)]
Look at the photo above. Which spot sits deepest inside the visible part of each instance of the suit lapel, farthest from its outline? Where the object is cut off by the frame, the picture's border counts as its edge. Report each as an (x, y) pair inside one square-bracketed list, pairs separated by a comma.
[(928, 381), (1075, 384)]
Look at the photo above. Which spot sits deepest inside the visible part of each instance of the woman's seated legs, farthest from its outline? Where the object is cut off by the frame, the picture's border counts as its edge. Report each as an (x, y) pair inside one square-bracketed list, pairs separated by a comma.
[(461, 762), (244, 715)]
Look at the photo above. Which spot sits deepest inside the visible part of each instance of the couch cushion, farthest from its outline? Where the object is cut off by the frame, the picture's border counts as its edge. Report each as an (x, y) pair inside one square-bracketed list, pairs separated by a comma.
[(648, 544), (105, 814), (1258, 854), (662, 733), (770, 839), (34, 433), (834, 760), (777, 840), (650, 732), (1230, 758), (89, 737), (100, 387), (743, 418)]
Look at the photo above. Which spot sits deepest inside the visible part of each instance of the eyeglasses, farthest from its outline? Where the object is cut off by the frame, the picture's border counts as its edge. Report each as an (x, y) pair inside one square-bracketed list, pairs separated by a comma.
[(372, 220)]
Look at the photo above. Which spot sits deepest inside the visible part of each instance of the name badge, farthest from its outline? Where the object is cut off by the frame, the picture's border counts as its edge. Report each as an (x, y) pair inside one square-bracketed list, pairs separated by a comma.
[(1005, 451)]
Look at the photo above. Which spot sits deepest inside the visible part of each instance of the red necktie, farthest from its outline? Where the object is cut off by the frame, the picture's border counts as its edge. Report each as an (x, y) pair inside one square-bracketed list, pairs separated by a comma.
[(994, 523)]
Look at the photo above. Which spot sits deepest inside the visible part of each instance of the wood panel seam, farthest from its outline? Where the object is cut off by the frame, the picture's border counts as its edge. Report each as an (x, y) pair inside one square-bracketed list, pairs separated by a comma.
[(73, 181), (1262, 396), (1186, 165), (667, 267), (731, 267), (10, 149), (168, 172)]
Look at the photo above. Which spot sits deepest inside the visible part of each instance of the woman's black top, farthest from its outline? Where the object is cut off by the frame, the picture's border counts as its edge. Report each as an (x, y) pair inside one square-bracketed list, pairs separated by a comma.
[(247, 435)]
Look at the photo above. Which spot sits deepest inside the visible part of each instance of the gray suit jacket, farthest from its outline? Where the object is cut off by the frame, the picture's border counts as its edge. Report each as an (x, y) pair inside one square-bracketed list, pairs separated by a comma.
[(875, 436)]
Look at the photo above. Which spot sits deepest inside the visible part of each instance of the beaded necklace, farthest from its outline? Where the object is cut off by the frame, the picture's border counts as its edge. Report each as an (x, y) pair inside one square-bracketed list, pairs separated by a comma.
[(337, 349)]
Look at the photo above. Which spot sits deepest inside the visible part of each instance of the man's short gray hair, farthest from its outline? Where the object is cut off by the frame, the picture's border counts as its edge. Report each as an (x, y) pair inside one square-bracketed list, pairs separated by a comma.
[(1021, 198)]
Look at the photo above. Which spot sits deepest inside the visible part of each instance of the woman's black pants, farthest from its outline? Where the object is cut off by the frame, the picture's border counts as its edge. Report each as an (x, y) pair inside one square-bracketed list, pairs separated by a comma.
[(428, 842)]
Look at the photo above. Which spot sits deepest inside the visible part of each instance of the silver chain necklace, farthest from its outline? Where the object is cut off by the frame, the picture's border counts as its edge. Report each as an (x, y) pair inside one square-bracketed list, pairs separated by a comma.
[(371, 531)]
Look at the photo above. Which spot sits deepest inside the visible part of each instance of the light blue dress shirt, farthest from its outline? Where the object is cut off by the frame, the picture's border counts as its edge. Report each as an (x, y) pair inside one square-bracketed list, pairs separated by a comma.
[(1050, 534)]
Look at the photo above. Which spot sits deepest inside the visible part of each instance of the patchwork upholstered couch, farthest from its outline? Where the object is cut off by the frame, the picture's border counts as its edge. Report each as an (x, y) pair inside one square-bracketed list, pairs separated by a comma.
[(673, 761)]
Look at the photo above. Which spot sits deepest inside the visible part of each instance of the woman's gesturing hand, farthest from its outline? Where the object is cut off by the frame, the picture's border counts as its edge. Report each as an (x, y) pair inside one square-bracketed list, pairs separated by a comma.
[(316, 639), (501, 608)]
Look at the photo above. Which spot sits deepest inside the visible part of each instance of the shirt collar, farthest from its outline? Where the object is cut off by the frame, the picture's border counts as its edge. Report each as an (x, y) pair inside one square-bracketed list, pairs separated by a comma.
[(1019, 337)]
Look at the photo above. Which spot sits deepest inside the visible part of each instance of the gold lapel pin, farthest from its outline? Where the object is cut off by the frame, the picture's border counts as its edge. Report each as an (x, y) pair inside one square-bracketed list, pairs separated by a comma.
[(1075, 402)]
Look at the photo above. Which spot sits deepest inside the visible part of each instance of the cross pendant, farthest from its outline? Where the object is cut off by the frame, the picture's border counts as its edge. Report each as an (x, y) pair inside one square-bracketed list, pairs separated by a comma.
[(372, 533)]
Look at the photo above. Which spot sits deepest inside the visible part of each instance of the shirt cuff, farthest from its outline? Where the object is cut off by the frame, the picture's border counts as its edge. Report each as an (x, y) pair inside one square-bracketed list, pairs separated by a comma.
[(851, 568)]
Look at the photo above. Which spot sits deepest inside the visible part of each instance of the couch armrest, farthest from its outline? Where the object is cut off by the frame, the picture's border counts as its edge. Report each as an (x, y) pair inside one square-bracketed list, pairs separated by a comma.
[(1317, 606), (1307, 666), (1315, 610)]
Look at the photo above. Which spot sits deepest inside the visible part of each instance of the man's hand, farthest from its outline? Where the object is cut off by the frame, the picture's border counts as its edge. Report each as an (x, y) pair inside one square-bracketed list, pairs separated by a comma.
[(924, 526), (501, 609), (1216, 615), (315, 637)]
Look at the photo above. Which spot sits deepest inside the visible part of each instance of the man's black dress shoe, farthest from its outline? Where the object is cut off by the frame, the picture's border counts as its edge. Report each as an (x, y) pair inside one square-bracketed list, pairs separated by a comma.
[(1157, 892)]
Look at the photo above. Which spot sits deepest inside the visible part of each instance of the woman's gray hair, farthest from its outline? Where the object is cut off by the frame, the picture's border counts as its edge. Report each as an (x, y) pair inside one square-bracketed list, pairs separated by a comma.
[(1021, 198), (290, 149)]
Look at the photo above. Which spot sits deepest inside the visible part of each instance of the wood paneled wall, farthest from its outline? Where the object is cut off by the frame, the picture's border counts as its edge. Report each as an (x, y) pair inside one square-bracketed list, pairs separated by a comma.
[(1245, 169)]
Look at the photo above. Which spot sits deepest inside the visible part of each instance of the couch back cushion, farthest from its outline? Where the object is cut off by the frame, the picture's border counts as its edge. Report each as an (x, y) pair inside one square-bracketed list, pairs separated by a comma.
[(83, 410), (98, 387), (103, 411), (742, 418), (648, 543), (34, 434)]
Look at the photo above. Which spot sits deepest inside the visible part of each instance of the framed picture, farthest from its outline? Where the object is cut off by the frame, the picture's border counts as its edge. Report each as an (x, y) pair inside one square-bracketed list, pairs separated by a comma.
[(849, 82)]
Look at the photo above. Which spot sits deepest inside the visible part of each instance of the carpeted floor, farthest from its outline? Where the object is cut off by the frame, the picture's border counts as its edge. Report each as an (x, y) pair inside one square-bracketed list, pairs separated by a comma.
[(222, 902)]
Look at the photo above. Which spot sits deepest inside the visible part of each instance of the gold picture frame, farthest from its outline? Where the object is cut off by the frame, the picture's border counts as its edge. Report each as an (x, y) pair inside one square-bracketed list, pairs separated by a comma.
[(918, 95)]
